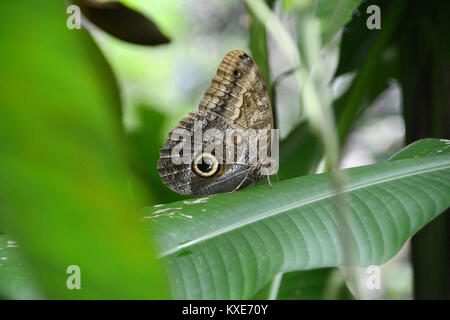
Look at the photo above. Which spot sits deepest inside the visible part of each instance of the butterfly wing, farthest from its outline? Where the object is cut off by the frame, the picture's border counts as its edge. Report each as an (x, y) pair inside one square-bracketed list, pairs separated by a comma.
[(175, 165), (237, 99), (239, 93)]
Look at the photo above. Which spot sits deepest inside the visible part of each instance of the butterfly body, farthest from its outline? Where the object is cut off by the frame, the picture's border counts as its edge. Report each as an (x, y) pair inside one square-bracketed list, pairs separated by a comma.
[(233, 108)]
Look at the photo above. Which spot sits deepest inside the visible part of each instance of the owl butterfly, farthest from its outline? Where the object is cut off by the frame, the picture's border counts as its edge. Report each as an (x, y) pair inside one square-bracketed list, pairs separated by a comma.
[(217, 148)]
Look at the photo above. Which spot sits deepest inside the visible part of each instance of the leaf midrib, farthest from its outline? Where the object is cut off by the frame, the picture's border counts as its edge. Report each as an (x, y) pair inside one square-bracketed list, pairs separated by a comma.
[(299, 204)]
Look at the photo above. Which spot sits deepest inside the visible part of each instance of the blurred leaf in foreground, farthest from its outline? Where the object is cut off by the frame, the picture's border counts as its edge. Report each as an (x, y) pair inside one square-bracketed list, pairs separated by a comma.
[(16, 281), (65, 189)]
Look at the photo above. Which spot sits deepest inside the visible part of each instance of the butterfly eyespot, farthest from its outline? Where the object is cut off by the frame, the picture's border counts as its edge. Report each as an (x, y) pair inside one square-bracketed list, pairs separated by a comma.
[(205, 165), (237, 73)]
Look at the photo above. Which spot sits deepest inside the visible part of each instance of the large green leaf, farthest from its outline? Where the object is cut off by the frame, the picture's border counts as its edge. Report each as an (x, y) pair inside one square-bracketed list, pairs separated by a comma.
[(230, 246), (327, 283), (67, 195)]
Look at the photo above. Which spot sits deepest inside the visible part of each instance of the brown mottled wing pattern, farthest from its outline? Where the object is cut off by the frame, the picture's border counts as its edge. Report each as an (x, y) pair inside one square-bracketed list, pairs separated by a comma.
[(237, 99), (239, 92), (180, 177)]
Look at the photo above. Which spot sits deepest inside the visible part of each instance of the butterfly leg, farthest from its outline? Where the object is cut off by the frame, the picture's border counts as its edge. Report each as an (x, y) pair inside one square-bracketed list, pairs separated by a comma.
[(268, 181)]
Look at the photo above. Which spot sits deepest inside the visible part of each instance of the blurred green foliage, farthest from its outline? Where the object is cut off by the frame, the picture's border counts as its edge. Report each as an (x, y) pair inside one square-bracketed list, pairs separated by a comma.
[(67, 195), (78, 150)]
